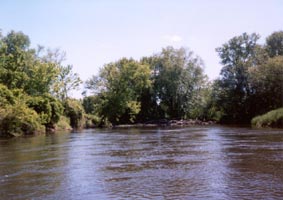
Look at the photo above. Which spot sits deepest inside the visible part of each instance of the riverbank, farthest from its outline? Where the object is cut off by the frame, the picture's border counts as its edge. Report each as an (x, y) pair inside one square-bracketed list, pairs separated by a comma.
[(271, 119), (167, 123)]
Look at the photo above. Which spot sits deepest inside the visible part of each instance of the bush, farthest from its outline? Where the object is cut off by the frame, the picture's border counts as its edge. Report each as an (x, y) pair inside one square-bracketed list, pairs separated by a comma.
[(6, 96), (18, 119), (42, 107), (75, 112), (92, 121), (273, 119), (22, 114), (48, 108), (63, 124)]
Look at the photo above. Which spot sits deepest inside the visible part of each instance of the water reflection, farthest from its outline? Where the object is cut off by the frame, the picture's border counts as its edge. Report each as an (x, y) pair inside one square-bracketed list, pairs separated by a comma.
[(189, 163)]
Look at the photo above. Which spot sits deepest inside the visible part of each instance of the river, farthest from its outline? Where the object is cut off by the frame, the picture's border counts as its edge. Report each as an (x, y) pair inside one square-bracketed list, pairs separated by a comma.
[(159, 163)]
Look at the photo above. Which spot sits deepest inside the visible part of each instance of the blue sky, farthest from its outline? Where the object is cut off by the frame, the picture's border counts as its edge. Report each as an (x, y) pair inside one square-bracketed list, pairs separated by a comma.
[(96, 32)]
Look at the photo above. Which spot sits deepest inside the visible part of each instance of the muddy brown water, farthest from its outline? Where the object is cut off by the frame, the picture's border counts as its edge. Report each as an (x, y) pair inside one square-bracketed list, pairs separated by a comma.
[(160, 163)]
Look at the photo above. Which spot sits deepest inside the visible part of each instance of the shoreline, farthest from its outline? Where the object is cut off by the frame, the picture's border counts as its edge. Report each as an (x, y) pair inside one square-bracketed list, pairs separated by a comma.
[(166, 123)]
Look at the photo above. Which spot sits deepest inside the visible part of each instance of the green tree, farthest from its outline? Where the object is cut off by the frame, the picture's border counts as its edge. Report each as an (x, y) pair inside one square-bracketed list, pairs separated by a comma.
[(15, 60), (67, 81), (274, 44), (267, 83), (47, 107), (237, 56), (28, 77), (178, 81), (42, 77), (73, 109), (89, 103), (25, 68), (16, 118), (119, 86)]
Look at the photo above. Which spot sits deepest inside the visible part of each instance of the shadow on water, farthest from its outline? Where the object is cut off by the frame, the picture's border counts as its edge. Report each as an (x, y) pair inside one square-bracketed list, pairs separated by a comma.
[(185, 163)]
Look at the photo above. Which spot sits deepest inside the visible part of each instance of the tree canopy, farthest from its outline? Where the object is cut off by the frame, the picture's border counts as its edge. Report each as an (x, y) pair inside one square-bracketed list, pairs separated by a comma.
[(251, 78), (35, 86), (169, 84), (28, 79)]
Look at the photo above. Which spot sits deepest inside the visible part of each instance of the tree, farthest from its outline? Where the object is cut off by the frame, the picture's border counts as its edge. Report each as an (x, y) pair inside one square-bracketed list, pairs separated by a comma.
[(47, 107), (178, 80), (237, 56), (16, 41), (15, 60), (73, 109), (27, 78), (66, 82), (25, 68), (16, 118), (267, 83), (274, 44), (42, 77), (119, 86)]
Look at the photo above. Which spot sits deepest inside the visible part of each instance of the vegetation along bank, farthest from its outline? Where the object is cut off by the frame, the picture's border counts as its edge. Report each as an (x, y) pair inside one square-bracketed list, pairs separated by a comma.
[(170, 85)]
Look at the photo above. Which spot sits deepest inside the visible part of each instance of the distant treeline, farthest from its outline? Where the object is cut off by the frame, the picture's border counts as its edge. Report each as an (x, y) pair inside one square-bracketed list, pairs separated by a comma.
[(34, 86), (172, 84)]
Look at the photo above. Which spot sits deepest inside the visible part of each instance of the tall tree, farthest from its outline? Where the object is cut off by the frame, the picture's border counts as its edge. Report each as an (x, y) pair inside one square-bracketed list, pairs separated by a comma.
[(274, 44), (237, 56), (178, 80), (267, 83), (66, 82), (15, 59), (119, 86)]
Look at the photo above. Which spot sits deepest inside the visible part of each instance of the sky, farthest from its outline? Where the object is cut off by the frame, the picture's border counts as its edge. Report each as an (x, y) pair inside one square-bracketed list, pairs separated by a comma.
[(96, 32)]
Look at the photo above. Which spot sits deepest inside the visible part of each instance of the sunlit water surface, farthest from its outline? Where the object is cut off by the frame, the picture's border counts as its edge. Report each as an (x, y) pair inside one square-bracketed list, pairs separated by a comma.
[(186, 163)]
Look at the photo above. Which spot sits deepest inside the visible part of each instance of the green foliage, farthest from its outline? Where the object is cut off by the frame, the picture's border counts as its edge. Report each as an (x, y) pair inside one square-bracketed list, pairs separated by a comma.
[(66, 82), (56, 110), (6, 96), (168, 85), (74, 111), (42, 77), (37, 72), (15, 60), (63, 124), (28, 77), (171, 84), (42, 107), (274, 44), (237, 56), (48, 108), (15, 41), (89, 103), (251, 79), (266, 81), (273, 118), (178, 81), (18, 119), (92, 121), (119, 86)]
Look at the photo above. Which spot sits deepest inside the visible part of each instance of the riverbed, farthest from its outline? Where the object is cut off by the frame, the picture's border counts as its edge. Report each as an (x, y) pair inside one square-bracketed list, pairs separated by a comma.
[(213, 162)]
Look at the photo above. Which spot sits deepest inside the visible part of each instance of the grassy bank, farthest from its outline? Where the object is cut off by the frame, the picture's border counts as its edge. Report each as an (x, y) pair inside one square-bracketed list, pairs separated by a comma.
[(272, 119)]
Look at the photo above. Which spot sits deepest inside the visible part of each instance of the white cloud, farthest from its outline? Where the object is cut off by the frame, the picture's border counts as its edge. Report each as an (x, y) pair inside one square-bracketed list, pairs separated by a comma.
[(172, 38)]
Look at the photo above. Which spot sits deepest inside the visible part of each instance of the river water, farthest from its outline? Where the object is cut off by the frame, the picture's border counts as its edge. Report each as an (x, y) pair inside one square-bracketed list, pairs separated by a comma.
[(185, 163)]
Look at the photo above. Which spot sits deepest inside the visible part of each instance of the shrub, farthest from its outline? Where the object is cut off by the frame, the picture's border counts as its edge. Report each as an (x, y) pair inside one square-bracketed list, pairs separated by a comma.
[(48, 108), (6, 96), (92, 121), (273, 118), (75, 112), (63, 124), (18, 120)]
